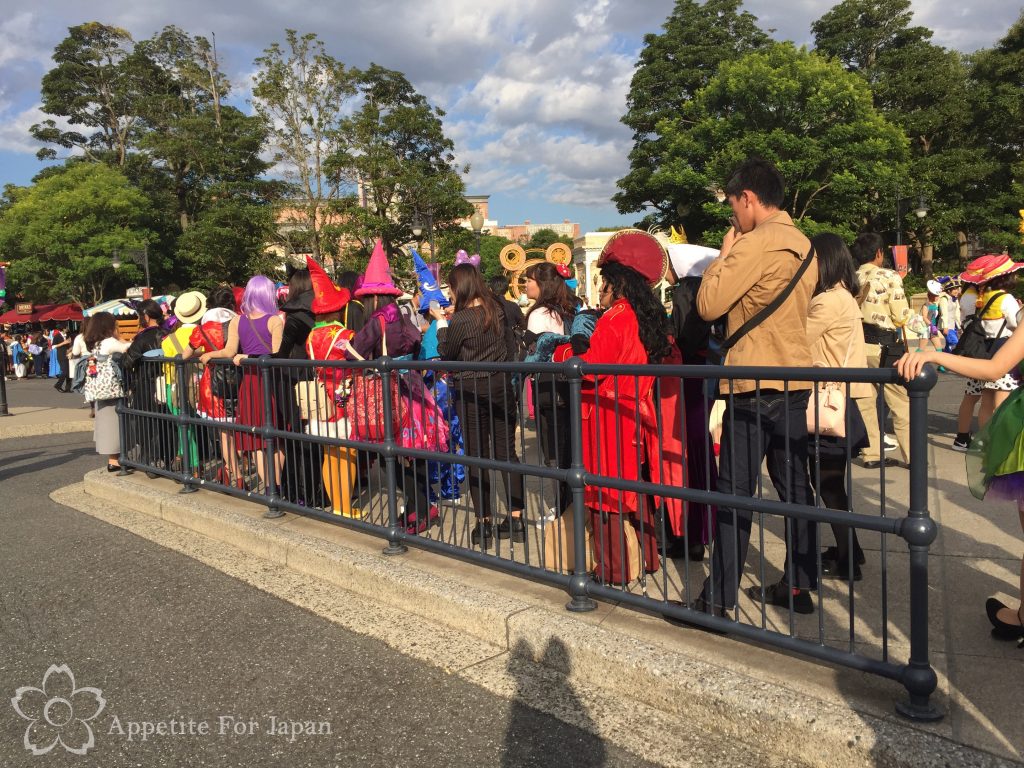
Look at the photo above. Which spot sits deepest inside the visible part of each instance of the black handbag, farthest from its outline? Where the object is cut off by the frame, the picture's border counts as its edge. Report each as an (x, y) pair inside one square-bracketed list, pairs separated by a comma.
[(973, 341), (225, 380)]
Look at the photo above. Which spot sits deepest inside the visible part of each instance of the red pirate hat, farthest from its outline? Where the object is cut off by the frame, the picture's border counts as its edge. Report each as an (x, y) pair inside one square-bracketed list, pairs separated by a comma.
[(327, 297), (638, 250)]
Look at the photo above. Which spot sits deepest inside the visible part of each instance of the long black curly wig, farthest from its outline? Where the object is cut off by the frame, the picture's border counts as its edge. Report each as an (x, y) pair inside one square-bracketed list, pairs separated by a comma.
[(651, 317)]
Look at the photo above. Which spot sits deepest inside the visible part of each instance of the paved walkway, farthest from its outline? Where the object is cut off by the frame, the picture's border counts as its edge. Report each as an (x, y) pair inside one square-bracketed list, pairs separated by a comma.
[(976, 555), (36, 408)]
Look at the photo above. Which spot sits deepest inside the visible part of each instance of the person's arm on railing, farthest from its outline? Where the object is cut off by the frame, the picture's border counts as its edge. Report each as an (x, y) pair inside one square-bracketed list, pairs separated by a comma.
[(1005, 359), (230, 346)]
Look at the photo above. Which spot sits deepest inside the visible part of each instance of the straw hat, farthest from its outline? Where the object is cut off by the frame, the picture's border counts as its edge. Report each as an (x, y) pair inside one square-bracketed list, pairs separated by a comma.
[(190, 307)]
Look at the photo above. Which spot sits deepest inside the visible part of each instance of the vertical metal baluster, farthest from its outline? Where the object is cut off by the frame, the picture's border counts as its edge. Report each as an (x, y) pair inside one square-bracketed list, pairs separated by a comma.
[(395, 545), (266, 378), (580, 601), (919, 531), (184, 428)]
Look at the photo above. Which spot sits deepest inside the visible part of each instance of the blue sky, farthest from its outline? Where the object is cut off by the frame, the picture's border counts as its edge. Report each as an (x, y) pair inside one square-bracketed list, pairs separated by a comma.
[(534, 89)]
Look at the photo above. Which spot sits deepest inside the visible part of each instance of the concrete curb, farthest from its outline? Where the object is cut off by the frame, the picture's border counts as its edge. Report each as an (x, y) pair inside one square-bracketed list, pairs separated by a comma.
[(35, 430), (693, 693)]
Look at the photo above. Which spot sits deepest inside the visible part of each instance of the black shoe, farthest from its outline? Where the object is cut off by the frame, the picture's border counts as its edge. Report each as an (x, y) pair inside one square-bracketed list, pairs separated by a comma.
[(877, 464), (482, 531), (1000, 629), (118, 468), (696, 552), (831, 569), (962, 442), (512, 528), (831, 553), (778, 595)]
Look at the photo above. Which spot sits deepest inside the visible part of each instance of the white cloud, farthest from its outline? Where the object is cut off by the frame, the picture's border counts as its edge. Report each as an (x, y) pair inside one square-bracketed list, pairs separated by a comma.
[(534, 88)]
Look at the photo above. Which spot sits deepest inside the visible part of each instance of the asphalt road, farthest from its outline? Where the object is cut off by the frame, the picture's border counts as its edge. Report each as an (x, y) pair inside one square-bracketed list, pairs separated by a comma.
[(169, 640)]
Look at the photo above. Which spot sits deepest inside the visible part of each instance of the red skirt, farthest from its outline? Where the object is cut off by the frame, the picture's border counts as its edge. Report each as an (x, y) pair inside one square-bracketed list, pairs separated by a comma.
[(251, 410)]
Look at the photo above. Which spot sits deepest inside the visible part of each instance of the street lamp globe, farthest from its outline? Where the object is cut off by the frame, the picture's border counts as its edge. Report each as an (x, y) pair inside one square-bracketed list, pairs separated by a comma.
[(115, 260), (922, 210), (476, 221)]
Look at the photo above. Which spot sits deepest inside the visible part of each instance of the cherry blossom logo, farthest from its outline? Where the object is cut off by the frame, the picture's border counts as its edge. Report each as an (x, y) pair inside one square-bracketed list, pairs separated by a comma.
[(58, 712)]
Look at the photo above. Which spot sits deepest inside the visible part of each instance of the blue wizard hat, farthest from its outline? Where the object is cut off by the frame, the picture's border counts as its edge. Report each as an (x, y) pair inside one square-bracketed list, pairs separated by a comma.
[(427, 283)]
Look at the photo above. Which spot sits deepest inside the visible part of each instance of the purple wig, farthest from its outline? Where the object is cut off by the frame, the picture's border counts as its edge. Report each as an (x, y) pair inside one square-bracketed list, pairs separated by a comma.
[(260, 296)]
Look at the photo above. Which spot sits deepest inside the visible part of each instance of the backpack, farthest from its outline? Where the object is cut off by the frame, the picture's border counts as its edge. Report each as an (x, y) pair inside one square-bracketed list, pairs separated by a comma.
[(973, 341)]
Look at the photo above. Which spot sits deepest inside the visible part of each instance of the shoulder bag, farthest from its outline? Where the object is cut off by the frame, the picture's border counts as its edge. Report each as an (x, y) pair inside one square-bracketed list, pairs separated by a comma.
[(973, 342), (225, 379), (826, 409), (311, 396)]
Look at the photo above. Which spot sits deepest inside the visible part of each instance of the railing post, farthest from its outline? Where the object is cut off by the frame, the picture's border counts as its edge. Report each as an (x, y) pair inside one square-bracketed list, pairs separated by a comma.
[(269, 462), (919, 531), (581, 602), (395, 545), (122, 426), (188, 480), (5, 364)]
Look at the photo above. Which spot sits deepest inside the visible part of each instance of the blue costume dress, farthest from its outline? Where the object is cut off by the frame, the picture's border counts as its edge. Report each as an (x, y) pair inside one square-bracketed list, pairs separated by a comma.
[(447, 476)]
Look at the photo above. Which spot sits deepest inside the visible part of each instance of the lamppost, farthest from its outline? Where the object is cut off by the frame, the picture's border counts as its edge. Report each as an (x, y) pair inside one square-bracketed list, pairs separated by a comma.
[(138, 255), (476, 221), (921, 211), (417, 230)]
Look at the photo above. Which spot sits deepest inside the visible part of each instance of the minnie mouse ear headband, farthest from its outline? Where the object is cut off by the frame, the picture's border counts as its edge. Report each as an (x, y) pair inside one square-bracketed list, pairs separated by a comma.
[(640, 251), (563, 271), (461, 257)]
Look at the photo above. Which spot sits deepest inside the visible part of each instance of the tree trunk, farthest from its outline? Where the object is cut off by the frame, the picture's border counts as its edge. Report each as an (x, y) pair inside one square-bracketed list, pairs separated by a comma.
[(927, 254), (963, 252)]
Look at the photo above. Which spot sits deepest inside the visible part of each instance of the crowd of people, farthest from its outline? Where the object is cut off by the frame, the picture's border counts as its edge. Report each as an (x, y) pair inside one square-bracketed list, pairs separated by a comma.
[(771, 297)]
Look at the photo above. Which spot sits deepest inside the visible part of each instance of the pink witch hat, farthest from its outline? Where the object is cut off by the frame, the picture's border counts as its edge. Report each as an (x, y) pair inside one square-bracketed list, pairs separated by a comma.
[(377, 278)]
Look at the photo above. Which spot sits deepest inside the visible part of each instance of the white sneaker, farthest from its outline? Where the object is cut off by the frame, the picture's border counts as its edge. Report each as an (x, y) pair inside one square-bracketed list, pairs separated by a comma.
[(890, 443)]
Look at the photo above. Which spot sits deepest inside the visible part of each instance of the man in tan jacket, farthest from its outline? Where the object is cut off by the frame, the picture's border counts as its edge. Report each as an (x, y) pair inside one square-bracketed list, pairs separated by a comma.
[(761, 255)]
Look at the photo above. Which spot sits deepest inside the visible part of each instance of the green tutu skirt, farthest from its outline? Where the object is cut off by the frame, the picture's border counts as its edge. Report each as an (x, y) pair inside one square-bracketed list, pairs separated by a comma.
[(995, 460)]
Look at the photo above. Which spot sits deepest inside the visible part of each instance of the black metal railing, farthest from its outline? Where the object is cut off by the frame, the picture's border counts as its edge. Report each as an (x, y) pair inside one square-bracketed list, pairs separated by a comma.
[(649, 471)]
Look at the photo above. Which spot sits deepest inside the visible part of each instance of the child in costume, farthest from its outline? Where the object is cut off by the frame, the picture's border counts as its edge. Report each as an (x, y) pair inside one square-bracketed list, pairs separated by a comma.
[(329, 340), (995, 460), (446, 475)]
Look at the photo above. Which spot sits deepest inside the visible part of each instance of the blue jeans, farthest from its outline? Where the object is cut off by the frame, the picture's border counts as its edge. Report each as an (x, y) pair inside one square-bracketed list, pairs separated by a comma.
[(773, 426)]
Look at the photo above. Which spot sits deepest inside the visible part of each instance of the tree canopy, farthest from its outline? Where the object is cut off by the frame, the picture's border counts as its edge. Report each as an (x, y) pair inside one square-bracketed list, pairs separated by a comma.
[(60, 233)]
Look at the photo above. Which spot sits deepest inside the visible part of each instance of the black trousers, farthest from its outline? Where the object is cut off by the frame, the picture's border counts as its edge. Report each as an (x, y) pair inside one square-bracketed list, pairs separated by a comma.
[(772, 426), (554, 430), (827, 473), (488, 410)]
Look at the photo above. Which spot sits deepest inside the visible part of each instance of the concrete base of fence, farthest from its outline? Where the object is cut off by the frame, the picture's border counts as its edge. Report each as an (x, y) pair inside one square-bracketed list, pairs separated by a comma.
[(674, 696)]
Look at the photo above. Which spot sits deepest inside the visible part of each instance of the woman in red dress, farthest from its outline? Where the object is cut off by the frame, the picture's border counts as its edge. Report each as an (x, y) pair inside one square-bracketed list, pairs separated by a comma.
[(618, 411), (211, 335)]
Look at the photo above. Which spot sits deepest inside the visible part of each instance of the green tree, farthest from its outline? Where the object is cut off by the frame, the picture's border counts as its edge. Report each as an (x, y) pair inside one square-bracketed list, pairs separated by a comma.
[(860, 32), (997, 88), (98, 85), (815, 121), (673, 67), (61, 232), (452, 241), (922, 88), (396, 147), (301, 93), (542, 238)]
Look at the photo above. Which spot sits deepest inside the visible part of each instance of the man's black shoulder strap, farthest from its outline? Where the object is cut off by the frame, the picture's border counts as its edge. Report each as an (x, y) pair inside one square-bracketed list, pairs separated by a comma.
[(775, 303)]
